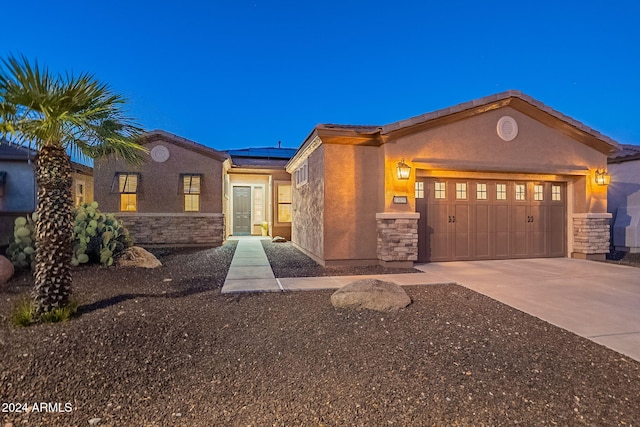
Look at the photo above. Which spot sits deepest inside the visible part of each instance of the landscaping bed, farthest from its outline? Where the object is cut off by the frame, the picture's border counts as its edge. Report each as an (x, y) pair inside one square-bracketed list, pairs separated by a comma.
[(150, 351), (287, 261)]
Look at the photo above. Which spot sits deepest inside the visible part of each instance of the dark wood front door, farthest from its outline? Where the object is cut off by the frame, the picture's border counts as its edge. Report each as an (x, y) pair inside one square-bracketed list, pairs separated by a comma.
[(242, 211), (465, 219)]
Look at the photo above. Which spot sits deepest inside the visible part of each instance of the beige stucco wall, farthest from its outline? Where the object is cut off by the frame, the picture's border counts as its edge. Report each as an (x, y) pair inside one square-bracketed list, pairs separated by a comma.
[(88, 186), (307, 228), (473, 145), (352, 178), (160, 189)]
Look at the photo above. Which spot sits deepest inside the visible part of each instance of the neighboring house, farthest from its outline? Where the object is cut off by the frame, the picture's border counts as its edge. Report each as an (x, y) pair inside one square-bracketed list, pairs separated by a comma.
[(499, 177), (624, 198), (188, 194), (18, 192)]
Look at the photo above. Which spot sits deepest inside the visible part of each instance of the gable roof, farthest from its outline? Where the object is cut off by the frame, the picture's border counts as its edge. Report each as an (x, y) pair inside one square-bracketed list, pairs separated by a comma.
[(378, 135), (626, 153), (161, 135)]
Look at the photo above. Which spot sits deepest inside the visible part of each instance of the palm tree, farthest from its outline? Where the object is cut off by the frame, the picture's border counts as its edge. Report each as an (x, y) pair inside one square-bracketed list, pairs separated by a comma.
[(57, 115)]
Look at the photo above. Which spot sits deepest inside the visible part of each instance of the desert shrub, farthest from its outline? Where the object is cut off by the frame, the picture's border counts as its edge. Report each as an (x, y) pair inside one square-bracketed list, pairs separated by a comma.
[(24, 313), (22, 250), (97, 237)]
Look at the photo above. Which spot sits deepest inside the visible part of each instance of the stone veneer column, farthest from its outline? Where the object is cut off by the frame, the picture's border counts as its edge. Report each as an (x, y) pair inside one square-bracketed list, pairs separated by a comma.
[(397, 238), (591, 235)]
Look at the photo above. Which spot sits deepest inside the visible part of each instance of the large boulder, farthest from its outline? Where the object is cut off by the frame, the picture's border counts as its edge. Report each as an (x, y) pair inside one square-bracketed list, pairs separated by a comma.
[(6, 269), (371, 294), (135, 256)]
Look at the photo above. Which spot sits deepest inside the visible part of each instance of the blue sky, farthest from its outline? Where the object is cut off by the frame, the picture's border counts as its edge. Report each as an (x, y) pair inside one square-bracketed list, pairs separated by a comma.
[(234, 74)]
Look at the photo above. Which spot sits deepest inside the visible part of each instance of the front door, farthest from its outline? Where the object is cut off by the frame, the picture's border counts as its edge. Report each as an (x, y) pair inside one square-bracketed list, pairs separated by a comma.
[(241, 211)]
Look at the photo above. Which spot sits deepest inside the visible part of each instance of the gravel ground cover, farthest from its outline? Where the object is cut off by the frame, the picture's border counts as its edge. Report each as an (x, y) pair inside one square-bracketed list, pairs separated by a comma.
[(287, 261), (147, 351), (624, 258)]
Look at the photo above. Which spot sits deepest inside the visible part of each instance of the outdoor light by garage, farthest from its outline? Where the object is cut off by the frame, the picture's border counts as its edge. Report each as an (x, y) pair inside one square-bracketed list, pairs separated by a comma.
[(602, 177), (403, 170)]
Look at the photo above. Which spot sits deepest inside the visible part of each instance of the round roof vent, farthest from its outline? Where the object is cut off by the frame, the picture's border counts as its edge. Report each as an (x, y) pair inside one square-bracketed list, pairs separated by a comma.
[(507, 128), (160, 153)]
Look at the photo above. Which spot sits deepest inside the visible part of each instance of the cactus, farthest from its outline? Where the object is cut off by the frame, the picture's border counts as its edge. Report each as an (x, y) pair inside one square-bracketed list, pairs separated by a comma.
[(21, 251), (98, 237)]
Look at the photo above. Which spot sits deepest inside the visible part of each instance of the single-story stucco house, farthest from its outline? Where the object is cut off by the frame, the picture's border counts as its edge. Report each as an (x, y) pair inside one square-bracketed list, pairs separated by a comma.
[(499, 177), (188, 194), (624, 197), (18, 189)]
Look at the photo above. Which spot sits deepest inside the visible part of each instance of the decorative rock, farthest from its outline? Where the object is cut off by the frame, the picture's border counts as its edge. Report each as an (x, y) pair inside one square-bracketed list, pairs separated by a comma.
[(371, 294), (6, 269), (279, 239), (135, 256), (94, 421)]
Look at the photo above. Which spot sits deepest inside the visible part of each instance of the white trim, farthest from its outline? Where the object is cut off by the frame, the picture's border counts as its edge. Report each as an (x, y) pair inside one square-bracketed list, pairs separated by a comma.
[(398, 215), (303, 155), (604, 215)]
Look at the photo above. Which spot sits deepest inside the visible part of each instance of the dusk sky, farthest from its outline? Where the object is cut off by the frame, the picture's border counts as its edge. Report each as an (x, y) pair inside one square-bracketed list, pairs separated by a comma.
[(234, 74)]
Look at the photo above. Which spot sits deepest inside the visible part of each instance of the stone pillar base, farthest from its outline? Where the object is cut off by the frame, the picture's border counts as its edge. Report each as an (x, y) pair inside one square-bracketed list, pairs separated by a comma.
[(397, 238), (591, 235)]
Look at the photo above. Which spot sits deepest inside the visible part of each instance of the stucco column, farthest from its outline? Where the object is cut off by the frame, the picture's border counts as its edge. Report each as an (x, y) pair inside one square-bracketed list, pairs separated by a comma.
[(591, 235), (397, 238)]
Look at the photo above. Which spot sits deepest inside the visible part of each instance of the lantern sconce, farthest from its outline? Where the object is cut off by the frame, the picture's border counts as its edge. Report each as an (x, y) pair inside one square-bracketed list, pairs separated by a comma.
[(404, 170), (602, 177)]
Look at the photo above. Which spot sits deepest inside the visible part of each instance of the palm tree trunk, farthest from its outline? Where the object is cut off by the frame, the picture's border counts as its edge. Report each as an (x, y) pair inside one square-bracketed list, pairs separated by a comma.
[(54, 229)]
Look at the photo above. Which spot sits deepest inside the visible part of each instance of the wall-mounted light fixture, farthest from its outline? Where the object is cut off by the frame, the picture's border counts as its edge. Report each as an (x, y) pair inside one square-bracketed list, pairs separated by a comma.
[(602, 177), (403, 169)]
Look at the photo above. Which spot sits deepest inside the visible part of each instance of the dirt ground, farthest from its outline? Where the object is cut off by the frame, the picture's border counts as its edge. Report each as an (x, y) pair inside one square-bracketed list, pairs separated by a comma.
[(164, 347)]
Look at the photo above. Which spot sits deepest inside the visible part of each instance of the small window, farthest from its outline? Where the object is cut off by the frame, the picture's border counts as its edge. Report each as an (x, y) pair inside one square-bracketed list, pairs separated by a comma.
[(284, 203), (302, 174), (191, 190), (520, 192), (555, 193), (481, 191), (461, 190), (419, 190), (128, 188), (441, 190), (538, 192), (501, 191), (79, 193)]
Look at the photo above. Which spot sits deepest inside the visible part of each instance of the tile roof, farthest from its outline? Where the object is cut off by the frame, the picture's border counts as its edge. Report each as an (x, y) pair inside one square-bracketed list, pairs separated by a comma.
[(627, 152), (183, 142)]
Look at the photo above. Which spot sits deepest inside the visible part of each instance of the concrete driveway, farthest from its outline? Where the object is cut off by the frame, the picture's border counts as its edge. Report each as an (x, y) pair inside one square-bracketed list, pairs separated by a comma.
[(596, 300)]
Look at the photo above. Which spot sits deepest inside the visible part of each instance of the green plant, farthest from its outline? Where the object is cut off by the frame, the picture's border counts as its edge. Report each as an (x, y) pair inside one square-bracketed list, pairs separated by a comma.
[(98, 237), (22, 250), (23, 313)]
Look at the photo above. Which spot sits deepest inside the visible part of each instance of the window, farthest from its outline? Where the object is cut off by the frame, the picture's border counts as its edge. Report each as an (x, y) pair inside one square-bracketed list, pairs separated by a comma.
[(481, 191), (302, 174), (191, 191), (555, 193), (461, 190), (128, 188), (501, 191), (441, 192), (419, 190), (79, 193), (284, 203), (520, 192), (258, 204), (538, 192)]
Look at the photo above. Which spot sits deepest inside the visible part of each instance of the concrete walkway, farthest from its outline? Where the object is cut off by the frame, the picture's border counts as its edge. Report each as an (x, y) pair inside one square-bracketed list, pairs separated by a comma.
[(598, 301), (250, 270)]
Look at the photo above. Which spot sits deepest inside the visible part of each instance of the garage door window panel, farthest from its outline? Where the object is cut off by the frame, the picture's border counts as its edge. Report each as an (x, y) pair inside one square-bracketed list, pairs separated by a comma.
[(461, 190), (440, 191), (521, 192), (501, 191)]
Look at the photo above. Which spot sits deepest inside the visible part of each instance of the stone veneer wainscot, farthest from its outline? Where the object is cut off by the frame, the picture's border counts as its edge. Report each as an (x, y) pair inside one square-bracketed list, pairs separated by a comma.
[(397, 238), (171, 229), (591, 235)]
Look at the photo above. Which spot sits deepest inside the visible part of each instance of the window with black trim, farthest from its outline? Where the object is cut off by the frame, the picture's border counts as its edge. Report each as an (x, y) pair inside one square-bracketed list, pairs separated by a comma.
[(127, 185), (191, 190)]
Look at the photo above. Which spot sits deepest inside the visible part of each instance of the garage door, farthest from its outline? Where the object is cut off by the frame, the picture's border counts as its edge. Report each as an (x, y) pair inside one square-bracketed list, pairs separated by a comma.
[(464, 219)]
